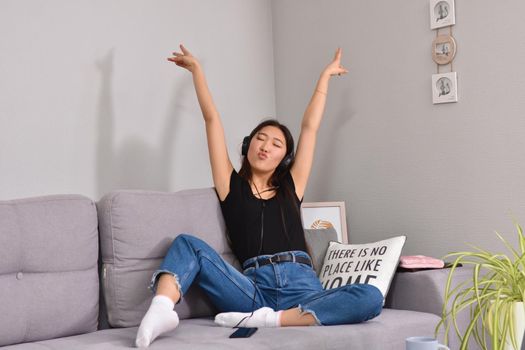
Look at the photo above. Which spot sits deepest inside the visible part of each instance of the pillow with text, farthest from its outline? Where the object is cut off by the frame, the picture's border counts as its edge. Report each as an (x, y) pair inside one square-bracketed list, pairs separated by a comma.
[(370, 263)]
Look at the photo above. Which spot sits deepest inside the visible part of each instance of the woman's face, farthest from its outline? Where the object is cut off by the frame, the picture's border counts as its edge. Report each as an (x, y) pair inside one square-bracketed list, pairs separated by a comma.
[(267, 149)]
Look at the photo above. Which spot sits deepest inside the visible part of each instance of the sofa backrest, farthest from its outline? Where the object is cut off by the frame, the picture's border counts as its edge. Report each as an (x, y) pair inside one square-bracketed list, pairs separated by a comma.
[(49, 283), (136, 230)]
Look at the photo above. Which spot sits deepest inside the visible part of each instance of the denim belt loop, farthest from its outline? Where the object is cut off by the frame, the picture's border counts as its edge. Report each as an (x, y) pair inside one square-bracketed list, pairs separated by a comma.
[(293, 254)]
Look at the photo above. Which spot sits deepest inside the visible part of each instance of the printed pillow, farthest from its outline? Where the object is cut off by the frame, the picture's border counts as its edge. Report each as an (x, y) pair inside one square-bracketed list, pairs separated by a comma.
[(370, 263)]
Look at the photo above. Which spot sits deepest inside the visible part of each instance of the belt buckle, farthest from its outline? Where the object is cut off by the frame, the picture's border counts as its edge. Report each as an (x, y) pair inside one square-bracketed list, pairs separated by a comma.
[(275, 259)]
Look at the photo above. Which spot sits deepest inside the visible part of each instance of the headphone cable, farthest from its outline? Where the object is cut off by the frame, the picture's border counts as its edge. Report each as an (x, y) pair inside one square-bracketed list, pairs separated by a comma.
[(259, 253)]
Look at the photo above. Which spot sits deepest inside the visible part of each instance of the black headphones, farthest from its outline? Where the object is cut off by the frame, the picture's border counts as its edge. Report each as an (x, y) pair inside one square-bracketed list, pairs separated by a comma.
[(283, 165)]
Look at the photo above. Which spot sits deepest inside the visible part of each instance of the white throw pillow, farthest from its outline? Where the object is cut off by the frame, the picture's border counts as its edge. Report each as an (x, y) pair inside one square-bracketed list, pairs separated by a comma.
[(370, 263)]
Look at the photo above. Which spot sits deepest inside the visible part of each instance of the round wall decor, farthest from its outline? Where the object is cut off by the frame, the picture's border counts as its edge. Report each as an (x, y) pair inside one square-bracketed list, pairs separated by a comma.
[(443, 49)]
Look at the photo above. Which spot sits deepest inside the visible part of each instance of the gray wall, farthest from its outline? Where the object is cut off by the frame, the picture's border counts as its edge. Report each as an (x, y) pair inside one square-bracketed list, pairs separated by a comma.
[(89, 103), (441, 174)]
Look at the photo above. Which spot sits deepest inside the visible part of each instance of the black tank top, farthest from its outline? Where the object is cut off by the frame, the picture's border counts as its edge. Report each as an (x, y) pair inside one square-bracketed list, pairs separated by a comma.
[(242, 214)]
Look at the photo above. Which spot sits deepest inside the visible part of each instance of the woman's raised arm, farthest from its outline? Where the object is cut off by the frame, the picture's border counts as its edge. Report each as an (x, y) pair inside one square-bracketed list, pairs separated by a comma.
[(311, 121), (221, 165)]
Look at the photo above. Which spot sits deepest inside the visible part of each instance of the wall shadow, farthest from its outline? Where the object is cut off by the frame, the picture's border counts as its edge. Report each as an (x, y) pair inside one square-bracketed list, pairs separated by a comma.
[(133, 164)]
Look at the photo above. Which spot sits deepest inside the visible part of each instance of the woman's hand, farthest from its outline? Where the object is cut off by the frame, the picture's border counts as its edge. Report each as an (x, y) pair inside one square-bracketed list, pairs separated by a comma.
[(335, 67), (184, 59)]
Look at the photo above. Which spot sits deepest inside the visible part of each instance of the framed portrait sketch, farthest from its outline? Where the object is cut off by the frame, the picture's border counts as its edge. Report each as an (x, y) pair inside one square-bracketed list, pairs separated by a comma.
[(324, 215), (442, 13), (444, 88)]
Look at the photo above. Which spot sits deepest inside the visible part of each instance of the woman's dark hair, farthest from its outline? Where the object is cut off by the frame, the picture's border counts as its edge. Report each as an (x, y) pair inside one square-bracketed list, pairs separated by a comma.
[(284, 191)]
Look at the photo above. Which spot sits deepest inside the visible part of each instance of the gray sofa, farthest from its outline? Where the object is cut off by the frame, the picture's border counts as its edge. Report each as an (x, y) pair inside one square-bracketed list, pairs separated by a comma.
[(74, 275)]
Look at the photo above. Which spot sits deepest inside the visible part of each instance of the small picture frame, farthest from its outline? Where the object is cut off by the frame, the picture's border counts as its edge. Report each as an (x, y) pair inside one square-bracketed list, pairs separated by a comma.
[(324, 215), (443, 49), (442, 13), (444, 88)]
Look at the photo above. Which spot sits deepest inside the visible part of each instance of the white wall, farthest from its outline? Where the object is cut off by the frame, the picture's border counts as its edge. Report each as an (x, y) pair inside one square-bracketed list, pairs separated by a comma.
[(89, 103), (441, 174)]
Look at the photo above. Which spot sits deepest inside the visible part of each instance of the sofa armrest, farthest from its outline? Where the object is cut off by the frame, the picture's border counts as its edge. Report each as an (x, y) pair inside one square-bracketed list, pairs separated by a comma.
[(423, 291)]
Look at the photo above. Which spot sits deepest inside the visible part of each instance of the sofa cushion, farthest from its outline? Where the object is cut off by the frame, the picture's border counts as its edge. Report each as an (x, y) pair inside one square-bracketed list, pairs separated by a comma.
[(136, 230), (48, 275), (380, 333), (318, 241)]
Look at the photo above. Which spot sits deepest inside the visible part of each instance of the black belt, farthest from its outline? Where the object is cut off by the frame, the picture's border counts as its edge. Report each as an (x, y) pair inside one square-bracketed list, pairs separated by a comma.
[(279, 258)]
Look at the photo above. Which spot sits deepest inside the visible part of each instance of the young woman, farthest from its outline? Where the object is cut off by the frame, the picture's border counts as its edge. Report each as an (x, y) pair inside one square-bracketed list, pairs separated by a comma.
[(260, 205)]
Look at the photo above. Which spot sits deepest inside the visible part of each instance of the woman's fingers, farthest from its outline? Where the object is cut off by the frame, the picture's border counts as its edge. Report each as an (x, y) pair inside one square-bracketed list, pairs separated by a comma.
[(176, 60), (179, 55), (184, 50), (338, 54)]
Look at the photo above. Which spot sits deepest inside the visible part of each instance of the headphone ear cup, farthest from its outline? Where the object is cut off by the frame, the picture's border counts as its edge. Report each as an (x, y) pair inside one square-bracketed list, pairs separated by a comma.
[(285, 163), (245, 145)]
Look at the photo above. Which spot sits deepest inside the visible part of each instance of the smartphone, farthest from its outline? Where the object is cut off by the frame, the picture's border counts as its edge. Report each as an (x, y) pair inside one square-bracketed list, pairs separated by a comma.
[(243, 332)]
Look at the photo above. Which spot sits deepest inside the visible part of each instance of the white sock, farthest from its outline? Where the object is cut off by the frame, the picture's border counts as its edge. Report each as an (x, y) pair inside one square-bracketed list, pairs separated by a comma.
[(263, 317), (159, 319)]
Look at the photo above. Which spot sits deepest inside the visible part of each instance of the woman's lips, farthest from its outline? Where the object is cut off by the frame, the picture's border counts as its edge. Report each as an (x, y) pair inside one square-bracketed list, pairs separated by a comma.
[(262, 155)]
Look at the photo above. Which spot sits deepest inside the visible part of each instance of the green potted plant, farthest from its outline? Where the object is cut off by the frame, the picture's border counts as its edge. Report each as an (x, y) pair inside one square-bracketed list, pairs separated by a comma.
[(494, 297)]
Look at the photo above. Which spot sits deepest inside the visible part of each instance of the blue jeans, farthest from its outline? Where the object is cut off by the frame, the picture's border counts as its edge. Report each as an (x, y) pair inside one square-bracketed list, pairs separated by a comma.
[(280, 286)]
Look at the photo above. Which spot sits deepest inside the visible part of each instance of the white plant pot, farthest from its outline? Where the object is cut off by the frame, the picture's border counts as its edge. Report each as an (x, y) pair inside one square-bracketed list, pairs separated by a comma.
[(519, 326)]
